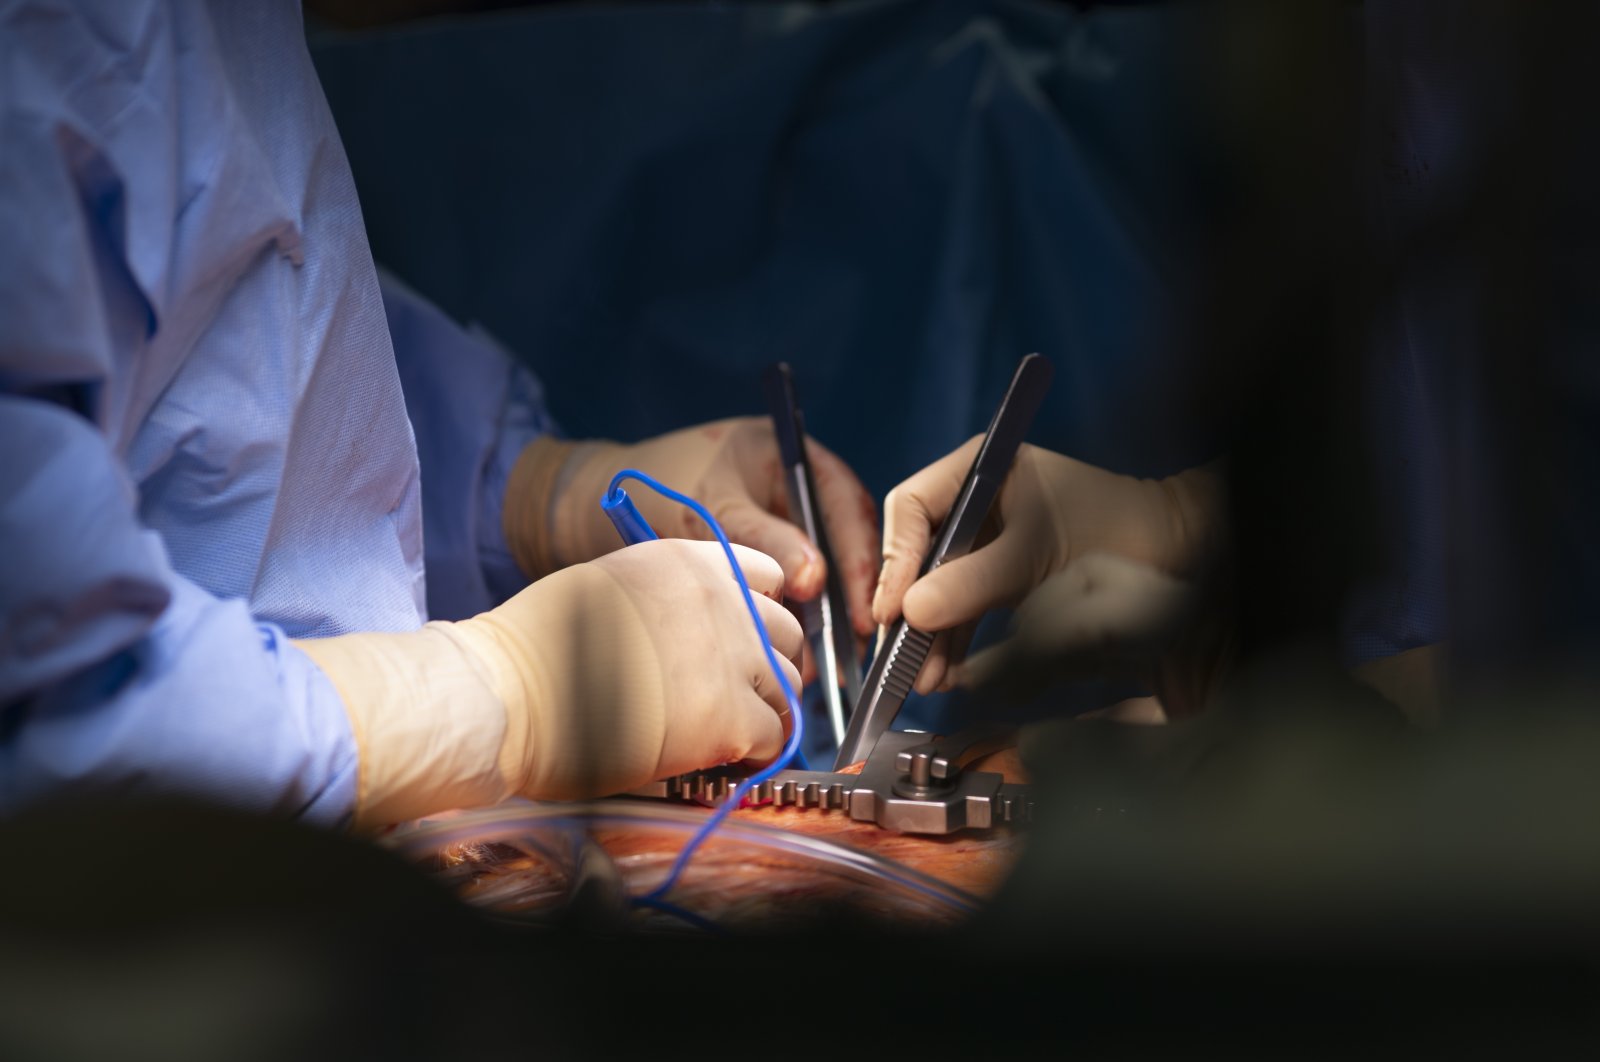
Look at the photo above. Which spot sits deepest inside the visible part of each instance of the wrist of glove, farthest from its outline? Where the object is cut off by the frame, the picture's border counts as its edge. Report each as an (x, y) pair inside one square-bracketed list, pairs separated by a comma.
[(553, 515), (563, 692), (1196, 520), (1174, 524), (543, 536), (469, 713)]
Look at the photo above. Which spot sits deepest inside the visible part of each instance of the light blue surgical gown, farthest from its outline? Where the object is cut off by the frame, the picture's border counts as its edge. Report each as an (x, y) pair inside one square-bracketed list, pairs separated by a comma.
[(207, 447)]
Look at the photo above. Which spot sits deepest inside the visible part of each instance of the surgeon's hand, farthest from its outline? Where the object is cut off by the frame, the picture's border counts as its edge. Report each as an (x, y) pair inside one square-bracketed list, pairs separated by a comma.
[(593, 680), (732, 467), (1051, 510), (1105, 616), (1100, 615)]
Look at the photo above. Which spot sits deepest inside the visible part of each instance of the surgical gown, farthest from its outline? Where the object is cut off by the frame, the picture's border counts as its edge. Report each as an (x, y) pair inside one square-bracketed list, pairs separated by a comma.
[(211, 444)]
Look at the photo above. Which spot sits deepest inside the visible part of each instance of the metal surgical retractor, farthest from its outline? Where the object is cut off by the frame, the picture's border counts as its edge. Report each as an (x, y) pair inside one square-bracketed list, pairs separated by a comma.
[(912, 783)]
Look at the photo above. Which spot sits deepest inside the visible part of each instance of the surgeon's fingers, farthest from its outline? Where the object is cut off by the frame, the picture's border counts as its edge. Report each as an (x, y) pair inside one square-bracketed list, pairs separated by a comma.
[(756, 733), (964, 589), (911, 512), (948, 649), (960, 642), (766, 686), (933, 668), (749, 524), (852, 522), (783, 631), (983, 669), (760, 571), (1134, 711), (1102, 615)]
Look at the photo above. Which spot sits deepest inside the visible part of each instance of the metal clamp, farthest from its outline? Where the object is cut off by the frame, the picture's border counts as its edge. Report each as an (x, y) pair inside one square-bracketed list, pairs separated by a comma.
[(911, 782)]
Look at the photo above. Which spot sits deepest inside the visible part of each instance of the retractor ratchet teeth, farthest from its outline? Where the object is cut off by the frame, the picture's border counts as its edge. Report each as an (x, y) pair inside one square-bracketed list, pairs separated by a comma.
[(1011, 804), (807, 795), (710, 789), (883, 793)]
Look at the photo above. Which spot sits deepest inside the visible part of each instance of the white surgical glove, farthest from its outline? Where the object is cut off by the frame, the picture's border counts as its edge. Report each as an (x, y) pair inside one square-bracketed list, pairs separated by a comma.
[(1105, 616), (553, 516), (601, 677), (1052, 509), (1101, 615)]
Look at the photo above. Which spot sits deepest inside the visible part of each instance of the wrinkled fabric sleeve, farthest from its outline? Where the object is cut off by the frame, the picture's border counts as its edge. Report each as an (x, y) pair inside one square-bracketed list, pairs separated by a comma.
[(116, 673), (119, 675), (473, 409)]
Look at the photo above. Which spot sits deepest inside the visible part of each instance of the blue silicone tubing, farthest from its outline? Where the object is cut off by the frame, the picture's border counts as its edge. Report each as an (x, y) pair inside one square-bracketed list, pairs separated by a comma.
[(633, 528)]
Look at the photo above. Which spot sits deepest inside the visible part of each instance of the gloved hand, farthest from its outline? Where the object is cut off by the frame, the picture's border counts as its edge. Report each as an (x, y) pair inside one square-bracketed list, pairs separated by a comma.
[(1101, 615), (601, 677), (553, 516), (1104, 616), (1051, 510)]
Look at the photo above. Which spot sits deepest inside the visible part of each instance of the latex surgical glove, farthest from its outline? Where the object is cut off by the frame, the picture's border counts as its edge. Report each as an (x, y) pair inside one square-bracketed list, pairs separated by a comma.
[(553, 516), (599, 678), (1100, 615), (1105, 616), (1051, 510)]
